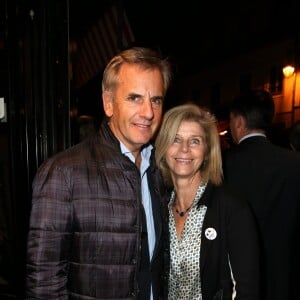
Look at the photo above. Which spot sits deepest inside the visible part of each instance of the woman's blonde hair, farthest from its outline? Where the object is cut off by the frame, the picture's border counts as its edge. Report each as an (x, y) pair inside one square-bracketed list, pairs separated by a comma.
[(211, 169)]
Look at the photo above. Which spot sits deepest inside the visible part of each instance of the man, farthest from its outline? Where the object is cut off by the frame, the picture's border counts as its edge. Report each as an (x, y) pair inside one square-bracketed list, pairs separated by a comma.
[(97, 217), (268, 177)]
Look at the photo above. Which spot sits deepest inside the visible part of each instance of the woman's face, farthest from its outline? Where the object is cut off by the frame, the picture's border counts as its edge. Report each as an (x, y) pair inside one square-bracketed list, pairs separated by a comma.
[(185, 156)]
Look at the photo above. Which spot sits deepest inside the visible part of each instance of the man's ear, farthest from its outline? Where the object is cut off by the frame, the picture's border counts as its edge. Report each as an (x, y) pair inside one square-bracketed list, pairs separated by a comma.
[(107, 98), (240, 122)]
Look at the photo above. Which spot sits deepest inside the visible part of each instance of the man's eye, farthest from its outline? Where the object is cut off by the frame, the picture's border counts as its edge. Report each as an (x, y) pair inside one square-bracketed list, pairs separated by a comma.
[(133, 98), (157, 101)]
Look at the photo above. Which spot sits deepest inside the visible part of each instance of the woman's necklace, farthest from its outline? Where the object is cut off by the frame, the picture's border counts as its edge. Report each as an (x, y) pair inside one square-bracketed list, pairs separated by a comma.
[(199, 192), (182, 213)]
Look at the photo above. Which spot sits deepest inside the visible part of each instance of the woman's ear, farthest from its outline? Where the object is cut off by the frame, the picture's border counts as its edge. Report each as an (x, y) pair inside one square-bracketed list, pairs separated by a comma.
[(107, 98)]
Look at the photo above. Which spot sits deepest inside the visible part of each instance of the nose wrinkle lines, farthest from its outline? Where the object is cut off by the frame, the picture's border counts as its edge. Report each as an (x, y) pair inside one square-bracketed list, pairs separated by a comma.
[(147, 111)]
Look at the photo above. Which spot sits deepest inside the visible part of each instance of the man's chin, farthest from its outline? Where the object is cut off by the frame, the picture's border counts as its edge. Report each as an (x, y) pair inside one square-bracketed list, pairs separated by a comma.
[(143, 140)]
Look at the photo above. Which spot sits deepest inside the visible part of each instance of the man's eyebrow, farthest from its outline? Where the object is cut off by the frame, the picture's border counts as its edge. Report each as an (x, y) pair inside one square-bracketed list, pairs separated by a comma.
[(158, 97), (133, 95)]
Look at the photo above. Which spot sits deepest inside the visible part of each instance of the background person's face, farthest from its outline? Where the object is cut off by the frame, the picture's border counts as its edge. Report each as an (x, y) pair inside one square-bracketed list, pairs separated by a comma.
[(234, 122), (136, 108)]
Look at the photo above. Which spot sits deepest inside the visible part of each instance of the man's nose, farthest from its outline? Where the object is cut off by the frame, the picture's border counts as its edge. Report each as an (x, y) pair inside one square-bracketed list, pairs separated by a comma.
[(147, 109)]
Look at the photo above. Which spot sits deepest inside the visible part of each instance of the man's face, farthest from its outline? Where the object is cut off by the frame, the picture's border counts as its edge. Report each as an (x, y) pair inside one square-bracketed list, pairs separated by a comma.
[(235, 125), (135, 109)]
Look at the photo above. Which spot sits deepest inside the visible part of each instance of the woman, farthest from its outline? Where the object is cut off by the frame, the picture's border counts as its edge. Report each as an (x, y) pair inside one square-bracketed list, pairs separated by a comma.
[(213, 242)]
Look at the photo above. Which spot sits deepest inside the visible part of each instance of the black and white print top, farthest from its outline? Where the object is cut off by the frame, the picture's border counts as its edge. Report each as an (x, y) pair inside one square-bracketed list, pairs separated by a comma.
[(184, 278)]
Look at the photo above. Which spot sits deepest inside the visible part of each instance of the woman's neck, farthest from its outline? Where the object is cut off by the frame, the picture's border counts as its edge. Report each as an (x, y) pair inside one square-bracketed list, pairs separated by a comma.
[(185, 192)]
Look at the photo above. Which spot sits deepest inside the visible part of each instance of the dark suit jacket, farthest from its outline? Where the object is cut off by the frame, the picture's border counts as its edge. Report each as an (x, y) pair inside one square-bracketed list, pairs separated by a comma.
[(268, 177)]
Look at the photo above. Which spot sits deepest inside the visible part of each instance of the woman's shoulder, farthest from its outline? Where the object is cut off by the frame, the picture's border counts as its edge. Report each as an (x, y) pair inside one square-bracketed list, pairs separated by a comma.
[(227, 197)]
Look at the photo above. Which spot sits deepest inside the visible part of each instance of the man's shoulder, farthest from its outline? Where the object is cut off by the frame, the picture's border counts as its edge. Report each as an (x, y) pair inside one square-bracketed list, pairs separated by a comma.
[(94, 147), (265, 154)]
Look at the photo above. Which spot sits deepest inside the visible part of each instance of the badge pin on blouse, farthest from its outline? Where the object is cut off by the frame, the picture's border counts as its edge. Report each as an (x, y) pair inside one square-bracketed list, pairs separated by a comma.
[(210, 233)]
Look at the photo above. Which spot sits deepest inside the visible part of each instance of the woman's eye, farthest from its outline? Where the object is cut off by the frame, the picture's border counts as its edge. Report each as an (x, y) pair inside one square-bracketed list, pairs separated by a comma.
[(195, 141)]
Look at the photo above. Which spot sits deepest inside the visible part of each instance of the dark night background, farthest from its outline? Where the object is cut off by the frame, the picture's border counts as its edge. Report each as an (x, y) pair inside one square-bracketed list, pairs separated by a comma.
[(193, 34), (196, 34), (35, 80)]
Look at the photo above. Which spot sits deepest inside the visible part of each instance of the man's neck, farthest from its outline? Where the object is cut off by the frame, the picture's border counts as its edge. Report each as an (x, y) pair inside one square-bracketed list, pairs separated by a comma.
[(251, 133)]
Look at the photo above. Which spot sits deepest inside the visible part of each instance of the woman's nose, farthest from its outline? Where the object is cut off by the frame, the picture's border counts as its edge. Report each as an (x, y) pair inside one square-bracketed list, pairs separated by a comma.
[(184, 147)]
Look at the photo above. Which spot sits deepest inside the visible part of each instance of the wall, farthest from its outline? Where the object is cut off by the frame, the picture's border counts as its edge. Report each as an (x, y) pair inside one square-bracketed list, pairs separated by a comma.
[(257, 65)]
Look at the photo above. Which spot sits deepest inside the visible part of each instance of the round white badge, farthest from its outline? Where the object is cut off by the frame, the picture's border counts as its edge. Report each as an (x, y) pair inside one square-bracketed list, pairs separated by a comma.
[(210, 233)]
